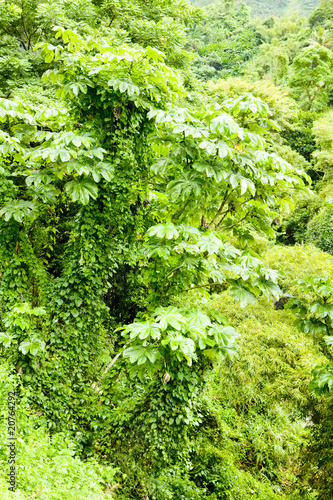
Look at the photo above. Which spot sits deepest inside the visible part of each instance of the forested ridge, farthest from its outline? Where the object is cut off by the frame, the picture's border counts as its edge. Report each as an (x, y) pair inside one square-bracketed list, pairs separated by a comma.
[(266, 8), (166, 250)]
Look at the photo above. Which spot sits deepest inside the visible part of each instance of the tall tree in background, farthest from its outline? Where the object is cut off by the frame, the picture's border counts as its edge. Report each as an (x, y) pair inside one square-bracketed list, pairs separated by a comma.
[(312, 74), (224, 41)]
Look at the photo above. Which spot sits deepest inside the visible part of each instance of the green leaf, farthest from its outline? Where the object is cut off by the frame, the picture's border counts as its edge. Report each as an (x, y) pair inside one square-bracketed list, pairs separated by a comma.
[(169, 316), (168, 231), (39, 177), (241, 294), (82, 190), (271, 287), (64, 155), (198, 318), (103, 170), (32, 345), (140, 354), (137, 354), (249, 259), (210, 244), (6, 339), (225, 125), (143, 330), (152, 355), (312, 326), (322, 310), (322, 379), (188, 184), (18, 210), (38, 311)]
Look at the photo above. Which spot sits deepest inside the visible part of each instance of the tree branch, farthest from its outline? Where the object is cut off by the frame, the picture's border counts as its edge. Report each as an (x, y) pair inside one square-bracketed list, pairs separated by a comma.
[(220, 210), (202, 286), (173, 270), (176, 216), (227, 211), (96, 385), (6, 31), (30, 45), (109, 25), (233, 225)]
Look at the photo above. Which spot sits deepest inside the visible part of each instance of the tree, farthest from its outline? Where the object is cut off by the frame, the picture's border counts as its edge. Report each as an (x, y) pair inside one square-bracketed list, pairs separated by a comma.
[(323, 15), (314, 311), (322, 129), (312, 73), (282, 39), (24, 24), (94, 163), (224, 41)]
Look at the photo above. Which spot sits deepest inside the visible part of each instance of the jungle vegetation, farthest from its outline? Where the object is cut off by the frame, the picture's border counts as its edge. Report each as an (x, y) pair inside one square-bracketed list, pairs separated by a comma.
[(266, 8), (166, 249)]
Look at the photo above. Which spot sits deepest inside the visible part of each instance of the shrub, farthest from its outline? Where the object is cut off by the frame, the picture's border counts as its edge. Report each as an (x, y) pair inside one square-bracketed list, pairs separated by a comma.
[(298, 262), (320, 230), (293, 229), (318, 455), (256, 406), (47, 468), (300, 136), (171, 486)]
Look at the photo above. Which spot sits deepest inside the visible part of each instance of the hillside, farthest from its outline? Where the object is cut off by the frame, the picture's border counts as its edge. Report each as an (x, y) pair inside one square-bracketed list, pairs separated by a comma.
[(265, 8)]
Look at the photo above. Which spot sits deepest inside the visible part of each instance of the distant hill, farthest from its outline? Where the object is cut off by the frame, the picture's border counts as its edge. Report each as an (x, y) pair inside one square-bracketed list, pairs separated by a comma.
[(266, 8)]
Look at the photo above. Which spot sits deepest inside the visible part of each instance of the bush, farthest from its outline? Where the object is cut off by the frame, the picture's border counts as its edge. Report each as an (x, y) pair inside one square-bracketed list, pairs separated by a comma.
[(212, 478), (274, 365), (300, 136), (320, 230), (293, 229), (46, 468), (256, 405), (171, 486), (298, 262), (318, 455)]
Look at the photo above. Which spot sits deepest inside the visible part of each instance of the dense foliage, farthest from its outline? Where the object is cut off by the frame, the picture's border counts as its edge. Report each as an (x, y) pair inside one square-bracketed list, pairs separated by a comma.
[(266, 8), (224, 41), (165, 249)]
